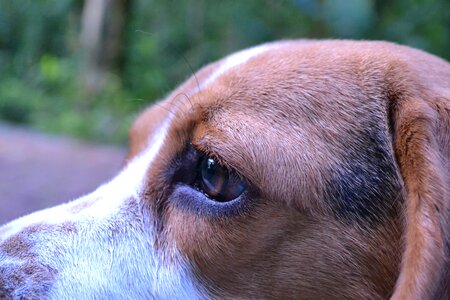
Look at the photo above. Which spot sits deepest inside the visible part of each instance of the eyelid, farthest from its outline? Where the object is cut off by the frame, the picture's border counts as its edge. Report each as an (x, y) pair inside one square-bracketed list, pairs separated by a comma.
[(208, 152), (188, 195), (203, 147)]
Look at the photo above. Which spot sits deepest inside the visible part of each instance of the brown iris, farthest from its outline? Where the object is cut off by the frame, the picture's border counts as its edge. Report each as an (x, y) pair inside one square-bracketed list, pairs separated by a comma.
[(219, 183)]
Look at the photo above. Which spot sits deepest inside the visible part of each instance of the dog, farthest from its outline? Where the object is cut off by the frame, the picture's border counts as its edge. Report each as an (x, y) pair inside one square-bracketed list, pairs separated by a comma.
[(291, 170)]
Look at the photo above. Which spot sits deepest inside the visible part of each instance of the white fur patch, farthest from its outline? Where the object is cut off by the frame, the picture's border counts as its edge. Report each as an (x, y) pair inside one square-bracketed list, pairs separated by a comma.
[(235, 60), (128, 183), (110, 253)]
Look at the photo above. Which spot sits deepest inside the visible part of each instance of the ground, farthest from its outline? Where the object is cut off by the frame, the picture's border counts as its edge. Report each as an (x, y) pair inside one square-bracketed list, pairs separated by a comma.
[(39, 170)]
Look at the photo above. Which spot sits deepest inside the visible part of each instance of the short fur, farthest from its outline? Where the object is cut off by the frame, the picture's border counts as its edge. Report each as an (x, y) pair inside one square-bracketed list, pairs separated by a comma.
[(345, 147)]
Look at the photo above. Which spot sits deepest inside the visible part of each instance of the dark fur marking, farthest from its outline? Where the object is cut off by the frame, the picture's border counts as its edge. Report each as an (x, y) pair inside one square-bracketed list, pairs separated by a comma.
[(24, 277), (30, 280), (366, 186)]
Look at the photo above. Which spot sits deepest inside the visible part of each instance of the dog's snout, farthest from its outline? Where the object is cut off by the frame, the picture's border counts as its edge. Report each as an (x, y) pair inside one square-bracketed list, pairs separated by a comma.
[(22, 273), (33, 247), (25, 280)]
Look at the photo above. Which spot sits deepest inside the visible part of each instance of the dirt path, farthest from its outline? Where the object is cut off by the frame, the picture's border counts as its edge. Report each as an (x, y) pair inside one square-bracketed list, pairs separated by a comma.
[(39, 170)]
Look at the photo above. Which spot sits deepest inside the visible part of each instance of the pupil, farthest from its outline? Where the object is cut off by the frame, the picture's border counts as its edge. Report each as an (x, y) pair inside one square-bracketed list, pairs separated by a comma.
[(210, 169), (210, 163), (214, 177), (218, 183)]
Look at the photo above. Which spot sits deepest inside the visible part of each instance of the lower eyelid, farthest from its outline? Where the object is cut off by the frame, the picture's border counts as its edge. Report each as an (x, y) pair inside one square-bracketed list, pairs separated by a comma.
[(189, 198)]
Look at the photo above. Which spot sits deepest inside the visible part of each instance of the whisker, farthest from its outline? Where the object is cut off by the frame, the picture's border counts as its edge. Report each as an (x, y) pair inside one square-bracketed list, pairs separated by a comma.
[(135, 99), (193, 73), (144, 32), (165, 108), (178, 101), (175, 101)]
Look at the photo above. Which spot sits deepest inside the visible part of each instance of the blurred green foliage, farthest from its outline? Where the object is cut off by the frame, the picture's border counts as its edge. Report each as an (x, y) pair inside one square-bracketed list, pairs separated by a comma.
[(40, 56)]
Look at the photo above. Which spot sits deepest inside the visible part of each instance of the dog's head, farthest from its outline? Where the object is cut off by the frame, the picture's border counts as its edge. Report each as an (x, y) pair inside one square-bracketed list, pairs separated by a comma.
[(295, 169)]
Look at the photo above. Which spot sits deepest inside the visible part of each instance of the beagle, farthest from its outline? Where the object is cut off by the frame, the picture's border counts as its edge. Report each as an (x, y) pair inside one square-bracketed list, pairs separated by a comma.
[(291, 170)]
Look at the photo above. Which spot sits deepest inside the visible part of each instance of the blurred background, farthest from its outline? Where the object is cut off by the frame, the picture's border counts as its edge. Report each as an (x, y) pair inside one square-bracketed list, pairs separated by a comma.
[(83, 69)]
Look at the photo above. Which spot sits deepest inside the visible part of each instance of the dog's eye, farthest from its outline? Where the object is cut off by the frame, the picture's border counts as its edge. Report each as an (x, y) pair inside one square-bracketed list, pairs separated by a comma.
[(219, 183)]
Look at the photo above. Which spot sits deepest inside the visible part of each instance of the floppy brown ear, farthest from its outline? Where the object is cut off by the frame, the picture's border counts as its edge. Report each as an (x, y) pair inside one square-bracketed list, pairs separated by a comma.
[(421, 137)]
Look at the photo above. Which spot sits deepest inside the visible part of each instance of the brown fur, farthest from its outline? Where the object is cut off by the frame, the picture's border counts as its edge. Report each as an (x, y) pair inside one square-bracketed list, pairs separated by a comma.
[(346, 148)]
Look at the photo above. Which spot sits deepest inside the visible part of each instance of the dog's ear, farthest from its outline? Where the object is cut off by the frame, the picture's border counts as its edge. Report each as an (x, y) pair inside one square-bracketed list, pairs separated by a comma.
[(420, 126)]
